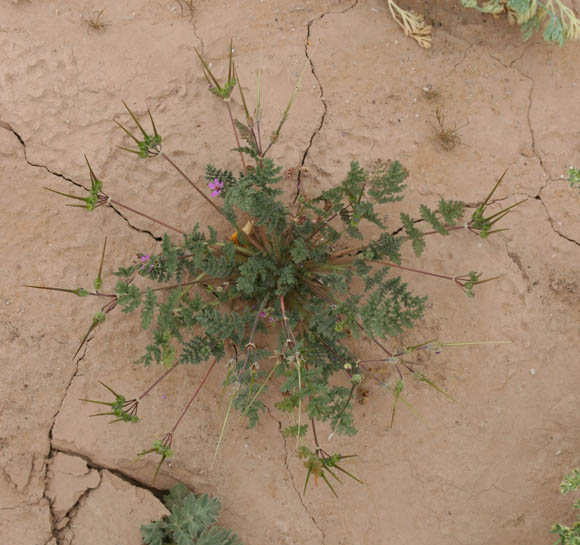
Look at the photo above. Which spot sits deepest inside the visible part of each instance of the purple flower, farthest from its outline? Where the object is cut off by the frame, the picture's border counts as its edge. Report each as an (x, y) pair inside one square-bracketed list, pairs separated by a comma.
[(216, 186), (144, 260)]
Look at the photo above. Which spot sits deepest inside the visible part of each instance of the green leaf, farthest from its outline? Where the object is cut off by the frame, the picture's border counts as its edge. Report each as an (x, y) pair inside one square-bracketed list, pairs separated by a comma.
[(413, 233), (451, 211), (154, 533), (294, 431), (129, 296), (386, 181), (175, 498), (431, 218), (149, 306), (218, 536)]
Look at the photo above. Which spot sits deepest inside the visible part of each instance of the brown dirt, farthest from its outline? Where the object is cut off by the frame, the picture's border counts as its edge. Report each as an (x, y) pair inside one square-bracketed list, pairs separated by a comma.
[(483, 471)]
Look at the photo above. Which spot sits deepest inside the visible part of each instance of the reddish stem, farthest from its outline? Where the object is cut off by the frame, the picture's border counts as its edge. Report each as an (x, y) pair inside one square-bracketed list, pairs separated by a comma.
[(192, 184), (146, 216), (156, 382), (394, 265), (374, 340), (236, 135), (193, 397), (314, 432)]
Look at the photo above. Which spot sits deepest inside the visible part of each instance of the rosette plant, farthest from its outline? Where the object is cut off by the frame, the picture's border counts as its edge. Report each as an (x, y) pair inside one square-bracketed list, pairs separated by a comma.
[(284, 292)]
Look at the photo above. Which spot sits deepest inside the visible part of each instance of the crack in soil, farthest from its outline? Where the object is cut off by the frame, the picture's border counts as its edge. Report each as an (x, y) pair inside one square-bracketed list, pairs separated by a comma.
[(463, 57), (292, 478), (156, 492), (159, 493), (539, 198), (512, 66), (53, 521), (73, 511), (322, 95), (10, 129)]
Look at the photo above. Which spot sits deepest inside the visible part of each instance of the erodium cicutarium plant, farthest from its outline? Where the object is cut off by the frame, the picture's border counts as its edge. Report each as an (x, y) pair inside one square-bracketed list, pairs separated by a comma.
[(274, 297)]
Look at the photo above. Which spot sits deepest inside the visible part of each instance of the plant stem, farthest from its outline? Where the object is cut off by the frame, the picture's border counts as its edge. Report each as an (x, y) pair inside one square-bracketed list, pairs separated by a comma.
[(112, 201), (326, 222), (237, 137), (419, 271), (390, 354), (69, 291), (196, 281), (192, 184), (447, 228), (156, 382), (205, 377), (250, 344), (315, 436)]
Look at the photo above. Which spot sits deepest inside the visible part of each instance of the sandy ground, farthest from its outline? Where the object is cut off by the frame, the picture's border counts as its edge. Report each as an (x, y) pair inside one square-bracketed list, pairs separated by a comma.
[(484, 471)]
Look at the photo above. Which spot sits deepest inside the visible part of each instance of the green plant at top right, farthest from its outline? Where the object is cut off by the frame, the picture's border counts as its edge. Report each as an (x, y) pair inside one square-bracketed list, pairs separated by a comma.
[(574, 177), (567, 535), (559, 22)]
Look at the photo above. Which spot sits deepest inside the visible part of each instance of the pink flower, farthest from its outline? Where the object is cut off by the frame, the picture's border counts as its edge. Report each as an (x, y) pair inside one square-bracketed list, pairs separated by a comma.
[(144, 260), (216, 186)]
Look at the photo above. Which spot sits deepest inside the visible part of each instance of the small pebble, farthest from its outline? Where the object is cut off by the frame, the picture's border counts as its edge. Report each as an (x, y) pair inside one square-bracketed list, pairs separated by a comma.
[(558, 452), (532, 372)]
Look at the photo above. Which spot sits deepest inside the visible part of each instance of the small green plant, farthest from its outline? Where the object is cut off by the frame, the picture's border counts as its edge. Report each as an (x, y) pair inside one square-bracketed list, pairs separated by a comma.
[(559, 22), (274, 296), (191, 522), (574, 177), (567, 535)]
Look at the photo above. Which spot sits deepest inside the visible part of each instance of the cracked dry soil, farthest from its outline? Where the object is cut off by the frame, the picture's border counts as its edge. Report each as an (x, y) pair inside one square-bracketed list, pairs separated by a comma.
[(483, 471)]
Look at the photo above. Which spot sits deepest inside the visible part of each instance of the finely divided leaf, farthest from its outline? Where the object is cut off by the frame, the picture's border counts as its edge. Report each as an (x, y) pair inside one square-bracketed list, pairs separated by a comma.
[(153, 533), (218, 536), (431, 217), (148, 308), (415, 236)]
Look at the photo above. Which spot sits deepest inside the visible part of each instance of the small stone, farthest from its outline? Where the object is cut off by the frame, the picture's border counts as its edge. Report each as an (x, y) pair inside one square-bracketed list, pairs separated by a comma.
[(532, 372)]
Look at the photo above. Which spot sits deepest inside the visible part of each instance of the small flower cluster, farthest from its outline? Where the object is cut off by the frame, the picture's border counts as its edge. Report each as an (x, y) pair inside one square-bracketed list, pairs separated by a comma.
[(216, 186)]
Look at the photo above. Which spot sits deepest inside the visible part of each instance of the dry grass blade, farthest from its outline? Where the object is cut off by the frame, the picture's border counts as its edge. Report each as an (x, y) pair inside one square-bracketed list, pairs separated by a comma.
[(413, 24), (447, 136), (94, 22), (187, 8)]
